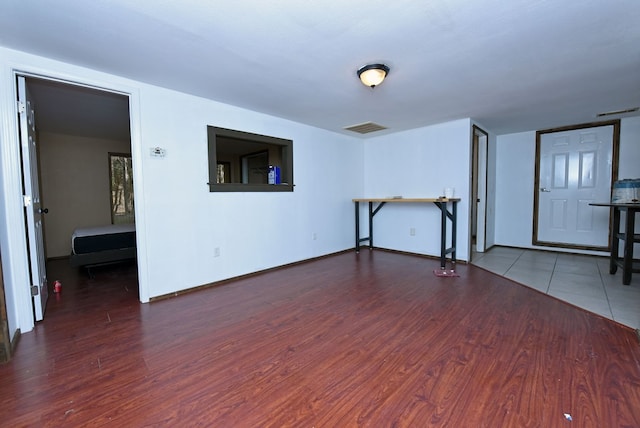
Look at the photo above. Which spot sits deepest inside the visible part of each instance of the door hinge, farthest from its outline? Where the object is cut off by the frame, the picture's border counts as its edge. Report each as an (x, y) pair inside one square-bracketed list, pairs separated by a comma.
[(27, 200), (21, 107), (34, 290)]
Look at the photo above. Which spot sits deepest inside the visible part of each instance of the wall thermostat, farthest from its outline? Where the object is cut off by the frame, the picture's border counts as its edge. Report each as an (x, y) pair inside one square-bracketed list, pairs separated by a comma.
[(158, 152)]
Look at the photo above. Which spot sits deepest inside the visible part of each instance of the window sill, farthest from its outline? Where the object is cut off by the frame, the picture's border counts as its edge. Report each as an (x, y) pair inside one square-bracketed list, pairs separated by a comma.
[(239, 187)]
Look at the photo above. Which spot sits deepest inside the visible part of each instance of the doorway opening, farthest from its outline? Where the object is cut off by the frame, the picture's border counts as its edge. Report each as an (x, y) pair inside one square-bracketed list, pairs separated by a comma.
[(479, 150), (77, 127)]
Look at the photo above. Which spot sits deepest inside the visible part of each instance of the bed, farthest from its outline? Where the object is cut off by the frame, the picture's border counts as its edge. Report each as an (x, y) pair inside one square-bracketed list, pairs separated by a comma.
[(94, 246)]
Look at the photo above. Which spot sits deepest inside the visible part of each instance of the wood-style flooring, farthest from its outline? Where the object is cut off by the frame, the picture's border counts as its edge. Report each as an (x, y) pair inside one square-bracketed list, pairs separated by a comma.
[(371, 339)]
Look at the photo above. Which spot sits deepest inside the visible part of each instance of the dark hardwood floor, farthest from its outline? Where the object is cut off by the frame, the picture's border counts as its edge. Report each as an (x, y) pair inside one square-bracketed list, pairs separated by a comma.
[(372, 340)]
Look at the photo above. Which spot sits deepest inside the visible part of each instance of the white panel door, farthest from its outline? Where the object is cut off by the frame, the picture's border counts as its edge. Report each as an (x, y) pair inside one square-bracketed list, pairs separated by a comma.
[(575, 169), (33, 209)]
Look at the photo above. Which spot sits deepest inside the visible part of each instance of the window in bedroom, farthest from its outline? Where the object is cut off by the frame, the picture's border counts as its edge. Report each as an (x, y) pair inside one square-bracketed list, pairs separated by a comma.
[(244, 162), (121, 184)]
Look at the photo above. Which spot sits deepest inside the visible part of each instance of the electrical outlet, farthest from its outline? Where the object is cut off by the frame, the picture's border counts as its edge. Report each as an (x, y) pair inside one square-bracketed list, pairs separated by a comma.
[(412, 231), (216, 252)]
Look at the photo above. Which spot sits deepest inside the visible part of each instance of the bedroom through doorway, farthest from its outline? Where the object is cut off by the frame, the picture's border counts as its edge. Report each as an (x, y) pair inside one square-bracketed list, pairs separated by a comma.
[(80, 129)]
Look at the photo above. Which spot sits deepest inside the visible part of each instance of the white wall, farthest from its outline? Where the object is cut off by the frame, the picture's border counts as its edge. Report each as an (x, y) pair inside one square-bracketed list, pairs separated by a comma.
[(491, 191), (515, 175), (179, 222), (515, 170), (414, 164), (629, 166), (253, 231)]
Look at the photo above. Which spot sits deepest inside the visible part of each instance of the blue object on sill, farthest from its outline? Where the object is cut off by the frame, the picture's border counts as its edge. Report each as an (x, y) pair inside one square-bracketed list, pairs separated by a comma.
[(274, 174)]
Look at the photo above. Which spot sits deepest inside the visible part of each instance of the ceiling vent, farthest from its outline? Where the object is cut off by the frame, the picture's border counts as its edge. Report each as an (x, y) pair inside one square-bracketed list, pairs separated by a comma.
[(365, 128), (616, 112)]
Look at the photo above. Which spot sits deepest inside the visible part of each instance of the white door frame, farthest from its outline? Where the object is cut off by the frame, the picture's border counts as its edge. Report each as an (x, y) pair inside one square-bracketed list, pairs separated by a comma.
[(12, 228)]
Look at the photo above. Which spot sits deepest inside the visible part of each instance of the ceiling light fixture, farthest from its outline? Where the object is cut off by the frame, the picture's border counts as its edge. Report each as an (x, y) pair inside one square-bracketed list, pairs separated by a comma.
[(373, 74)]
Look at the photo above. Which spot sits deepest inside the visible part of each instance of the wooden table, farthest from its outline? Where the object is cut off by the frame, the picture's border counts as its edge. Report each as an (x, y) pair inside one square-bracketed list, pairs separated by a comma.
[(441, 203), (628, 236)]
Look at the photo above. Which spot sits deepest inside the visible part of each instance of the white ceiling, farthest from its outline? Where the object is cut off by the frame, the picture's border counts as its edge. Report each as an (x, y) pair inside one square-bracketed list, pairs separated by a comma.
[(512, 65)]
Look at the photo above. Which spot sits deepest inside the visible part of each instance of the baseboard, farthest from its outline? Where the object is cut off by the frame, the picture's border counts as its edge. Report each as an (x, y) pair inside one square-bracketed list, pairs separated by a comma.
[(15, 340), (9, 349), (408, 253), (236, 278)]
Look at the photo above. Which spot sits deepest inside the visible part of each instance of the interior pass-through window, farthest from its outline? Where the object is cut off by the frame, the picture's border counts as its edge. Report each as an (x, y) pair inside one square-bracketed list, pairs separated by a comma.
[(245, 162)]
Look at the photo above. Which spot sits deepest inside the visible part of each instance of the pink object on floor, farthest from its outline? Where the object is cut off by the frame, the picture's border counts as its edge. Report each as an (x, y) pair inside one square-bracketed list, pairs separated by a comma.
[(445, 272)]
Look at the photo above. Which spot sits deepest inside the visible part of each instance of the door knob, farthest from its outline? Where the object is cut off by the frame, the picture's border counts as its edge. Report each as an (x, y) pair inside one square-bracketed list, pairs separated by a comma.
[(43, 210), (543, 189)]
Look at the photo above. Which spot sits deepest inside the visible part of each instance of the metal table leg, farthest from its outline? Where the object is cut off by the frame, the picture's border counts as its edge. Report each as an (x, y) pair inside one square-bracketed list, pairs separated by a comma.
[(357, 226), (615, 242), (627, 261), (443, 234)]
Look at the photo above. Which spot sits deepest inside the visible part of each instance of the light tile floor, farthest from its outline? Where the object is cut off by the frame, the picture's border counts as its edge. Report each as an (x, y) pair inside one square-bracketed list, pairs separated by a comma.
[(581, 280)]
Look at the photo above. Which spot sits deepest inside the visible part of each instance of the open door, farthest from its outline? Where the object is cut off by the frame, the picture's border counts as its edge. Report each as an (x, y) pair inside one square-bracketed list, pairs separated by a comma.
[(32, 204)]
